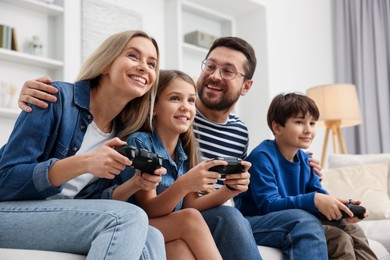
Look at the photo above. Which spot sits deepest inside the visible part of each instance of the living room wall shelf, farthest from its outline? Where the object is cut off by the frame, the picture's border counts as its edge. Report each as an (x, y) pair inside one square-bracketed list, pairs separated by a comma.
[(38, 39), (55, 27), (9, 112), (28, 59), (186, 17), (48, 9), (190, 48)]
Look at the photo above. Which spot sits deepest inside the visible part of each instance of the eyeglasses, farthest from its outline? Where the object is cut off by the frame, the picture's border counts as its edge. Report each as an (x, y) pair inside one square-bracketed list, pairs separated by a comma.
[(228, 72)]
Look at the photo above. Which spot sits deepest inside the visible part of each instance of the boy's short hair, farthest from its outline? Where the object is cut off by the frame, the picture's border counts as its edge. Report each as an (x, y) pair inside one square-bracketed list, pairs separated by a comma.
[(284, 106)]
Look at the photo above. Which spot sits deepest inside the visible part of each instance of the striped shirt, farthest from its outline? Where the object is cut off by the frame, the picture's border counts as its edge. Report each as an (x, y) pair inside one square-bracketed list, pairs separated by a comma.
[(221, 140)]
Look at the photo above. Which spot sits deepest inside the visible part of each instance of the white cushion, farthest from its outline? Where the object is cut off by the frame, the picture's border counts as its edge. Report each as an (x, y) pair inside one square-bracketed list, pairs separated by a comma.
[(24, 254), (379, 250), (378, 230), (367, 183), (270, 253), (341, 160)]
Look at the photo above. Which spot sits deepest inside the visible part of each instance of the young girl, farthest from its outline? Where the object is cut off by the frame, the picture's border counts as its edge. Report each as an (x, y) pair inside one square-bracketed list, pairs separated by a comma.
[(170, 134), (54, 155)]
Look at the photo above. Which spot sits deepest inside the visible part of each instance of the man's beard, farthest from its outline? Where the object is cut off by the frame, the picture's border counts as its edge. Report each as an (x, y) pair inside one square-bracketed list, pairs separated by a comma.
[(225, 102)]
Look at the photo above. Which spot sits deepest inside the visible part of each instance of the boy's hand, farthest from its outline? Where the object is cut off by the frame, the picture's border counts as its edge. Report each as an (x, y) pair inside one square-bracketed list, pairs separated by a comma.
[(36, 92), (330, 206), (355, 219)]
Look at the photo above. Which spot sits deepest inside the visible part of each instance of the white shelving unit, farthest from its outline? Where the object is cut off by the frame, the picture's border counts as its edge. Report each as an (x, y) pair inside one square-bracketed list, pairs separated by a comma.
[(9, 112), (31, 60), (242, 18), (58, 27), (184, 17), (49, 9), (31, 18), (35, 18)]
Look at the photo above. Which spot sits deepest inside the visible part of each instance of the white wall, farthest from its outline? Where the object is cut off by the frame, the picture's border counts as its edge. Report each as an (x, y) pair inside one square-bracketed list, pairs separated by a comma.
[(299, 55), (153, 21)]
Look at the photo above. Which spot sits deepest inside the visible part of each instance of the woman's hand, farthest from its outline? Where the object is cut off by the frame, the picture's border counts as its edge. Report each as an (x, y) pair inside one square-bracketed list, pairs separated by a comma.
[(105, 162)]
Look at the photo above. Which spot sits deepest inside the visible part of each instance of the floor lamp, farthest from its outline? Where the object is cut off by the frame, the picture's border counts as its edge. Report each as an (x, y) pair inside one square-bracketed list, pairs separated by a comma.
[(339, 107)]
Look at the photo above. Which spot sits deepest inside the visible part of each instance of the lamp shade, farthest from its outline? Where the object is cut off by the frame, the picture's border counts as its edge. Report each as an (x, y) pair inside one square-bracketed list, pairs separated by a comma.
[(337, 102)]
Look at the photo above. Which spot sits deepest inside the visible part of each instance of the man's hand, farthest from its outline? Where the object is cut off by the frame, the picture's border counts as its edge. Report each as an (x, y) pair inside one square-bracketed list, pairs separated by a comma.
[(315, 165), (36, 92)]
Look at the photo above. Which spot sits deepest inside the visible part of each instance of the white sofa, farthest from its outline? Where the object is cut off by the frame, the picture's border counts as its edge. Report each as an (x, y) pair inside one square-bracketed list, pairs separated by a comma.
[(358, 172)]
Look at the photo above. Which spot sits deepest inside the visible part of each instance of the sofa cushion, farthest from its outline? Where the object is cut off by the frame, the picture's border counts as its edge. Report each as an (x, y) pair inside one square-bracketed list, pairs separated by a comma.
[(377, 230), (270, 253), (341, 160), (367, 183), (24, 254), (379, 250)]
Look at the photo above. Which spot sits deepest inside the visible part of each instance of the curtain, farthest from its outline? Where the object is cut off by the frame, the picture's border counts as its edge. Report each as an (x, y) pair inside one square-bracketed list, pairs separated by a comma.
[(362, 49)]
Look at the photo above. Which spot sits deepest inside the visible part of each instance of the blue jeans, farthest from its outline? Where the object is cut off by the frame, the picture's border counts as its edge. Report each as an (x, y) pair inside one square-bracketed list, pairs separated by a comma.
[(100, 229), (296, 232), (232, 233)]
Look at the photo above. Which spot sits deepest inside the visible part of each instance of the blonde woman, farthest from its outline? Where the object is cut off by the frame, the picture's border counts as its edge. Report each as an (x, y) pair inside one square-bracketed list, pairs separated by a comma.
[(64, 152)]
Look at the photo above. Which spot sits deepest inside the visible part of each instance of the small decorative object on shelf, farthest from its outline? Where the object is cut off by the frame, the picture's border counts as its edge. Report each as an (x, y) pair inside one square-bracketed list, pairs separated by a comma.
[(7, 94), (200, 39), (36, 46)]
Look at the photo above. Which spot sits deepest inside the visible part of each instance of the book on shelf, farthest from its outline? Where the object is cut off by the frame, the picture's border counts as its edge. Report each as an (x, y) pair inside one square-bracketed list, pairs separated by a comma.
[(8, 38)]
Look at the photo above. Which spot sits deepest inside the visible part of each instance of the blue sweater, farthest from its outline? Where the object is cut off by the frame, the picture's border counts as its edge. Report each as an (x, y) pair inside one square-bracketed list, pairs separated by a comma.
[(277, 184)]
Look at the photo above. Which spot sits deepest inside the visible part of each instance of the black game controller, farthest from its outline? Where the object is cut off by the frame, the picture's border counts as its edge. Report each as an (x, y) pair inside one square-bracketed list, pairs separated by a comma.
[(233, 166), (142, 159), (358, 211)]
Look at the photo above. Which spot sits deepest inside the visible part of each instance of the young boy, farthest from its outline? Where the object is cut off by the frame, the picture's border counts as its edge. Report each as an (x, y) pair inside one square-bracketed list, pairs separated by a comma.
[(281, 178)]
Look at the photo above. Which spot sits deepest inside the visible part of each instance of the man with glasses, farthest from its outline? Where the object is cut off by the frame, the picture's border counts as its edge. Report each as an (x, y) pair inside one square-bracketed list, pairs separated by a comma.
[(226, 75)]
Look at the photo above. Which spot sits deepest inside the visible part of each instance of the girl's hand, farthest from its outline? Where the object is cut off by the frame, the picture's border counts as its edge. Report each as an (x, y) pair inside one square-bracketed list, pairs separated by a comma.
[(146, 181), (105, 162), (239, 181), (199, 178)]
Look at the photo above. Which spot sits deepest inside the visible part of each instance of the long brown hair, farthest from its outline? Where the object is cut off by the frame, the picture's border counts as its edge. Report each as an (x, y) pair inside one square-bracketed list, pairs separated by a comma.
[(188, 138), (135, 113)]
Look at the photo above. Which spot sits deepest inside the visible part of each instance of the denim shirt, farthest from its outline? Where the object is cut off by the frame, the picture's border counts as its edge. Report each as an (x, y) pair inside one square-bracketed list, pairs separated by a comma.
[(41, 138), (153, 143)]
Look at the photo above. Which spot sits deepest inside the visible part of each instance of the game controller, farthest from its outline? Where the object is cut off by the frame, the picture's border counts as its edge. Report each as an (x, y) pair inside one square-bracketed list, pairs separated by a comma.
[(358, 211), (233, 166), (142, 159)]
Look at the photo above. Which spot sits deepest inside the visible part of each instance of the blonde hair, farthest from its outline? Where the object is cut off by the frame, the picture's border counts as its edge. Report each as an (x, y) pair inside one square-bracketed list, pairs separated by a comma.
[(135, 113), (188, 138)]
